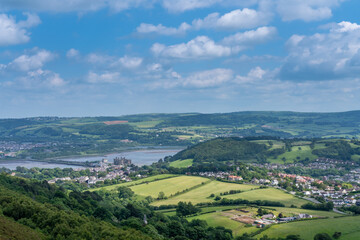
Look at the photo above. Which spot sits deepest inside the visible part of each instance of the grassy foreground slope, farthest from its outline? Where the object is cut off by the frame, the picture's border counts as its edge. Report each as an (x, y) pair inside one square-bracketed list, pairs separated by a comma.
[(348, 226)]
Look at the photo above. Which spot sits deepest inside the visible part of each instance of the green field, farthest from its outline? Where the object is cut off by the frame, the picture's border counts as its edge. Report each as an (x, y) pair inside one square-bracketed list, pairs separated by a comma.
[(168, 186), (251, 192), (271, 194), (182, 163), (140, 181), (348, 226), (202, 193), (300, 152), (293, 211)]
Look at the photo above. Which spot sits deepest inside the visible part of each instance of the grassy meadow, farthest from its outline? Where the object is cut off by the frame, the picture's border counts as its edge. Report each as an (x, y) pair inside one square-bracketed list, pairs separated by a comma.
[(182, 163), (133, 183), (168, 186), (348, 226), (271, 194), (202, 193)]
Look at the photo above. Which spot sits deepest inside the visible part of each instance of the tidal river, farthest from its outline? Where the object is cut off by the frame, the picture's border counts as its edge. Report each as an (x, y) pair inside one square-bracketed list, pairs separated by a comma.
[(141, 157)]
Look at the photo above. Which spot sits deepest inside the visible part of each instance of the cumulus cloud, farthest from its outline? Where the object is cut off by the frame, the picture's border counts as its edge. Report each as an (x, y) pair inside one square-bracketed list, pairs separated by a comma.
[(332, 55), (114, 5), (199, 47), (42, 78), (12, 32), (72, 53), (107, 77), (345, 27), (126, 61), (236, 19), (129, 62), (184, 5), (73, 5), (162, 30), (95, 58), (209, 78), (204, 47), (201, 79), (306, 10), (27, 62), (253, 75), (252, 37)]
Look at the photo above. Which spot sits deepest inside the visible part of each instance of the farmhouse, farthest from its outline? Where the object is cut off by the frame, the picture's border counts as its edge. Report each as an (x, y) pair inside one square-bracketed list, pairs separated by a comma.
[(234, 178)]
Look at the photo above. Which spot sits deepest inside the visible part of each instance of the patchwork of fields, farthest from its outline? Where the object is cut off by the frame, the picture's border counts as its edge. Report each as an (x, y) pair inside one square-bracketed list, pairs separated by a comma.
[(198, 190), (223, 216), (195, 189)]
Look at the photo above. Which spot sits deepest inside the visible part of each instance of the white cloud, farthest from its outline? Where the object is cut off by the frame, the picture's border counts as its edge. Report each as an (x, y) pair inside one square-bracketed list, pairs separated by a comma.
[(29, 62), (345, 27), (12, 32), (162, 30), (204, 47), (98, 58), (199, 47), (114, 62), (154, 67), (332, 55), (184, 5), (72, 53), (107, 77), (306, 10), (251, 37), (202, 79), (129, 62), (253, 75), (72, 5), (236, 19), (42, 78), (209, 78)]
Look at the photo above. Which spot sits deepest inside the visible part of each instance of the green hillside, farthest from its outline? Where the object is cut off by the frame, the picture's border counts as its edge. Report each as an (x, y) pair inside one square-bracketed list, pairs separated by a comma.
[(233, 149)]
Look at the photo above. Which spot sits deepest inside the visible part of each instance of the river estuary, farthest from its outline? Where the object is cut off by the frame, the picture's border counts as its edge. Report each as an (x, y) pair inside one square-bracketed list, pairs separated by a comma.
[(140, 157)]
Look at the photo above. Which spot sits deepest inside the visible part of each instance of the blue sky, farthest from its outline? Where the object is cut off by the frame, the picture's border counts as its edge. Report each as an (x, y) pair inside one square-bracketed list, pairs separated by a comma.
[(116, 57)]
